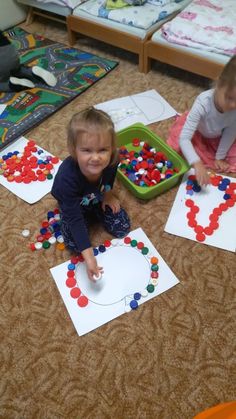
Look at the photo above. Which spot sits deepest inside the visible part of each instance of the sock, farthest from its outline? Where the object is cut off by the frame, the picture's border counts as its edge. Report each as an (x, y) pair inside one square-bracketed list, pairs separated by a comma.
[(48, 77), (17, 84)]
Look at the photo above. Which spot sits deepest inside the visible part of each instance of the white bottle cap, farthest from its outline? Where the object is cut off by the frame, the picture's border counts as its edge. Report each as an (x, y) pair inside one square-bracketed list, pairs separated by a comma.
[(97, 277)]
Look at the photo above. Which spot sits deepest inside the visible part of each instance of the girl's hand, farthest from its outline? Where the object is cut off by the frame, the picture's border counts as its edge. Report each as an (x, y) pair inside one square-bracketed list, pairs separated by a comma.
[(111, 201), (91, 263), (221, 165), (202, 176), (93, 268)]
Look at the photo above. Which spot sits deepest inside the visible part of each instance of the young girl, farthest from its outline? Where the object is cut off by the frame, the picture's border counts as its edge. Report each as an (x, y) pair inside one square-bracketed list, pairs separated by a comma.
[(83, 184), (206, 135)]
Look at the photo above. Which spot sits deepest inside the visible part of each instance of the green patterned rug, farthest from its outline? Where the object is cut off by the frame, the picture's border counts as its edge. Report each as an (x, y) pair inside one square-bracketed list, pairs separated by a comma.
[(75, 70)]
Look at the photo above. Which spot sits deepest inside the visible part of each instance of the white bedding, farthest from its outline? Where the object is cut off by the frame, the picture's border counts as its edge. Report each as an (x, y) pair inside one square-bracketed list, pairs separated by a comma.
[(138, 16), (68, 3), (201, 53), (205, 24)]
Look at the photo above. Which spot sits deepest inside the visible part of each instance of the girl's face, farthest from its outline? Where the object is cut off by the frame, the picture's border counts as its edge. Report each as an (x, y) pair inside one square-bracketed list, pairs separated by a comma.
[(225, 99), (93, 152)]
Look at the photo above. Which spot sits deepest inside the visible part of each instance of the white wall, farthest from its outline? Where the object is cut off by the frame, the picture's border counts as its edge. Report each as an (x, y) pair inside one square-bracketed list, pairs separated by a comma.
[(11, 13)]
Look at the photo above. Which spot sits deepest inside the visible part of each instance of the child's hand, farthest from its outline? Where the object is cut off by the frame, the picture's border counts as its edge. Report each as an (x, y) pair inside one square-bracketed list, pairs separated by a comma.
[(111, 201), (221, 165), (93, 268), (91, 263), (202, 176)]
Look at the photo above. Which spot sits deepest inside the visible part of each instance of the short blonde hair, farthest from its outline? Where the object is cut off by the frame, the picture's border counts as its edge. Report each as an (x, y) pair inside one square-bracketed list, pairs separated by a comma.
[(88, 121)]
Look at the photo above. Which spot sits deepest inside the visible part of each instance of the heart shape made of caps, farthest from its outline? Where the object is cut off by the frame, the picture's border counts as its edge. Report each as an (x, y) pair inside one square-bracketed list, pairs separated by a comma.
[(229, 200)]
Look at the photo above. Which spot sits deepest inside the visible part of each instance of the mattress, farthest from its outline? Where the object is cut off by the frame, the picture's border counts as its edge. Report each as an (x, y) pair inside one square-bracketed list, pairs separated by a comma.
[(214, 57), (48, 7), (81, 11), (207, 25)]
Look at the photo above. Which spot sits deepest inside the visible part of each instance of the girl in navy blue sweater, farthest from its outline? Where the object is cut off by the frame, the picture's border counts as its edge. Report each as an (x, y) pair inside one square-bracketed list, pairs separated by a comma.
[(83, 184)]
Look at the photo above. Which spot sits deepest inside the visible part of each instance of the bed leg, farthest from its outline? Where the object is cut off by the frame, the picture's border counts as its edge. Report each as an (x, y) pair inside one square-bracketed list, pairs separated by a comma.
[(141, 57), (30, 16), (140, 64), (146, 65), (71, 36)]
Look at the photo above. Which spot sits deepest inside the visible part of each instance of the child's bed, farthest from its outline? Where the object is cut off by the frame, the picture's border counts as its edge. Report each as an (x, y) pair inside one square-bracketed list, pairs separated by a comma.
[(200, 39), (52, 9), (127, 28)]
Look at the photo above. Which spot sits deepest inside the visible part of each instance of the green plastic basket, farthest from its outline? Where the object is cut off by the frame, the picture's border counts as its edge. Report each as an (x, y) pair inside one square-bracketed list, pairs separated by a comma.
[(125, 138)]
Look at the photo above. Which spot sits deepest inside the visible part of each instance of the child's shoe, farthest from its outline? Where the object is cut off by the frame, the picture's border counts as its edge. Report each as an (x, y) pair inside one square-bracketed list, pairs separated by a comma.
[(48, 77)]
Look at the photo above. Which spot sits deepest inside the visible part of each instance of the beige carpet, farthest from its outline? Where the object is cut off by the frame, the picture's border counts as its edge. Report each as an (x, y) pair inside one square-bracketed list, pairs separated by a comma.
[(170, 359)]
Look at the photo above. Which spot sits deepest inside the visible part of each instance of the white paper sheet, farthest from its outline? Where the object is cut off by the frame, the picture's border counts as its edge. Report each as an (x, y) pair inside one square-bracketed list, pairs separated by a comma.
[(146, 107), (207, 199), (2, 109), (126, 271), (31, 192)]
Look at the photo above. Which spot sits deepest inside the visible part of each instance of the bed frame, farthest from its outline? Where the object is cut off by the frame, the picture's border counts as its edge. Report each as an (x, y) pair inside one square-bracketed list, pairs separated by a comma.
[(114, 37), (47, 10), (183, 59), (48, 15)]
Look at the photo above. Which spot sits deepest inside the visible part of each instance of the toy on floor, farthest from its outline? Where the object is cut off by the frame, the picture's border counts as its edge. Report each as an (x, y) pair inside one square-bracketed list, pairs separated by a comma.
[(27, 170), (28, 166), (97, 277), (145, 166), (49, 232), (205, 214), (134, 273), (223, 184), (149, 167), (73, 283), (25, 233)]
